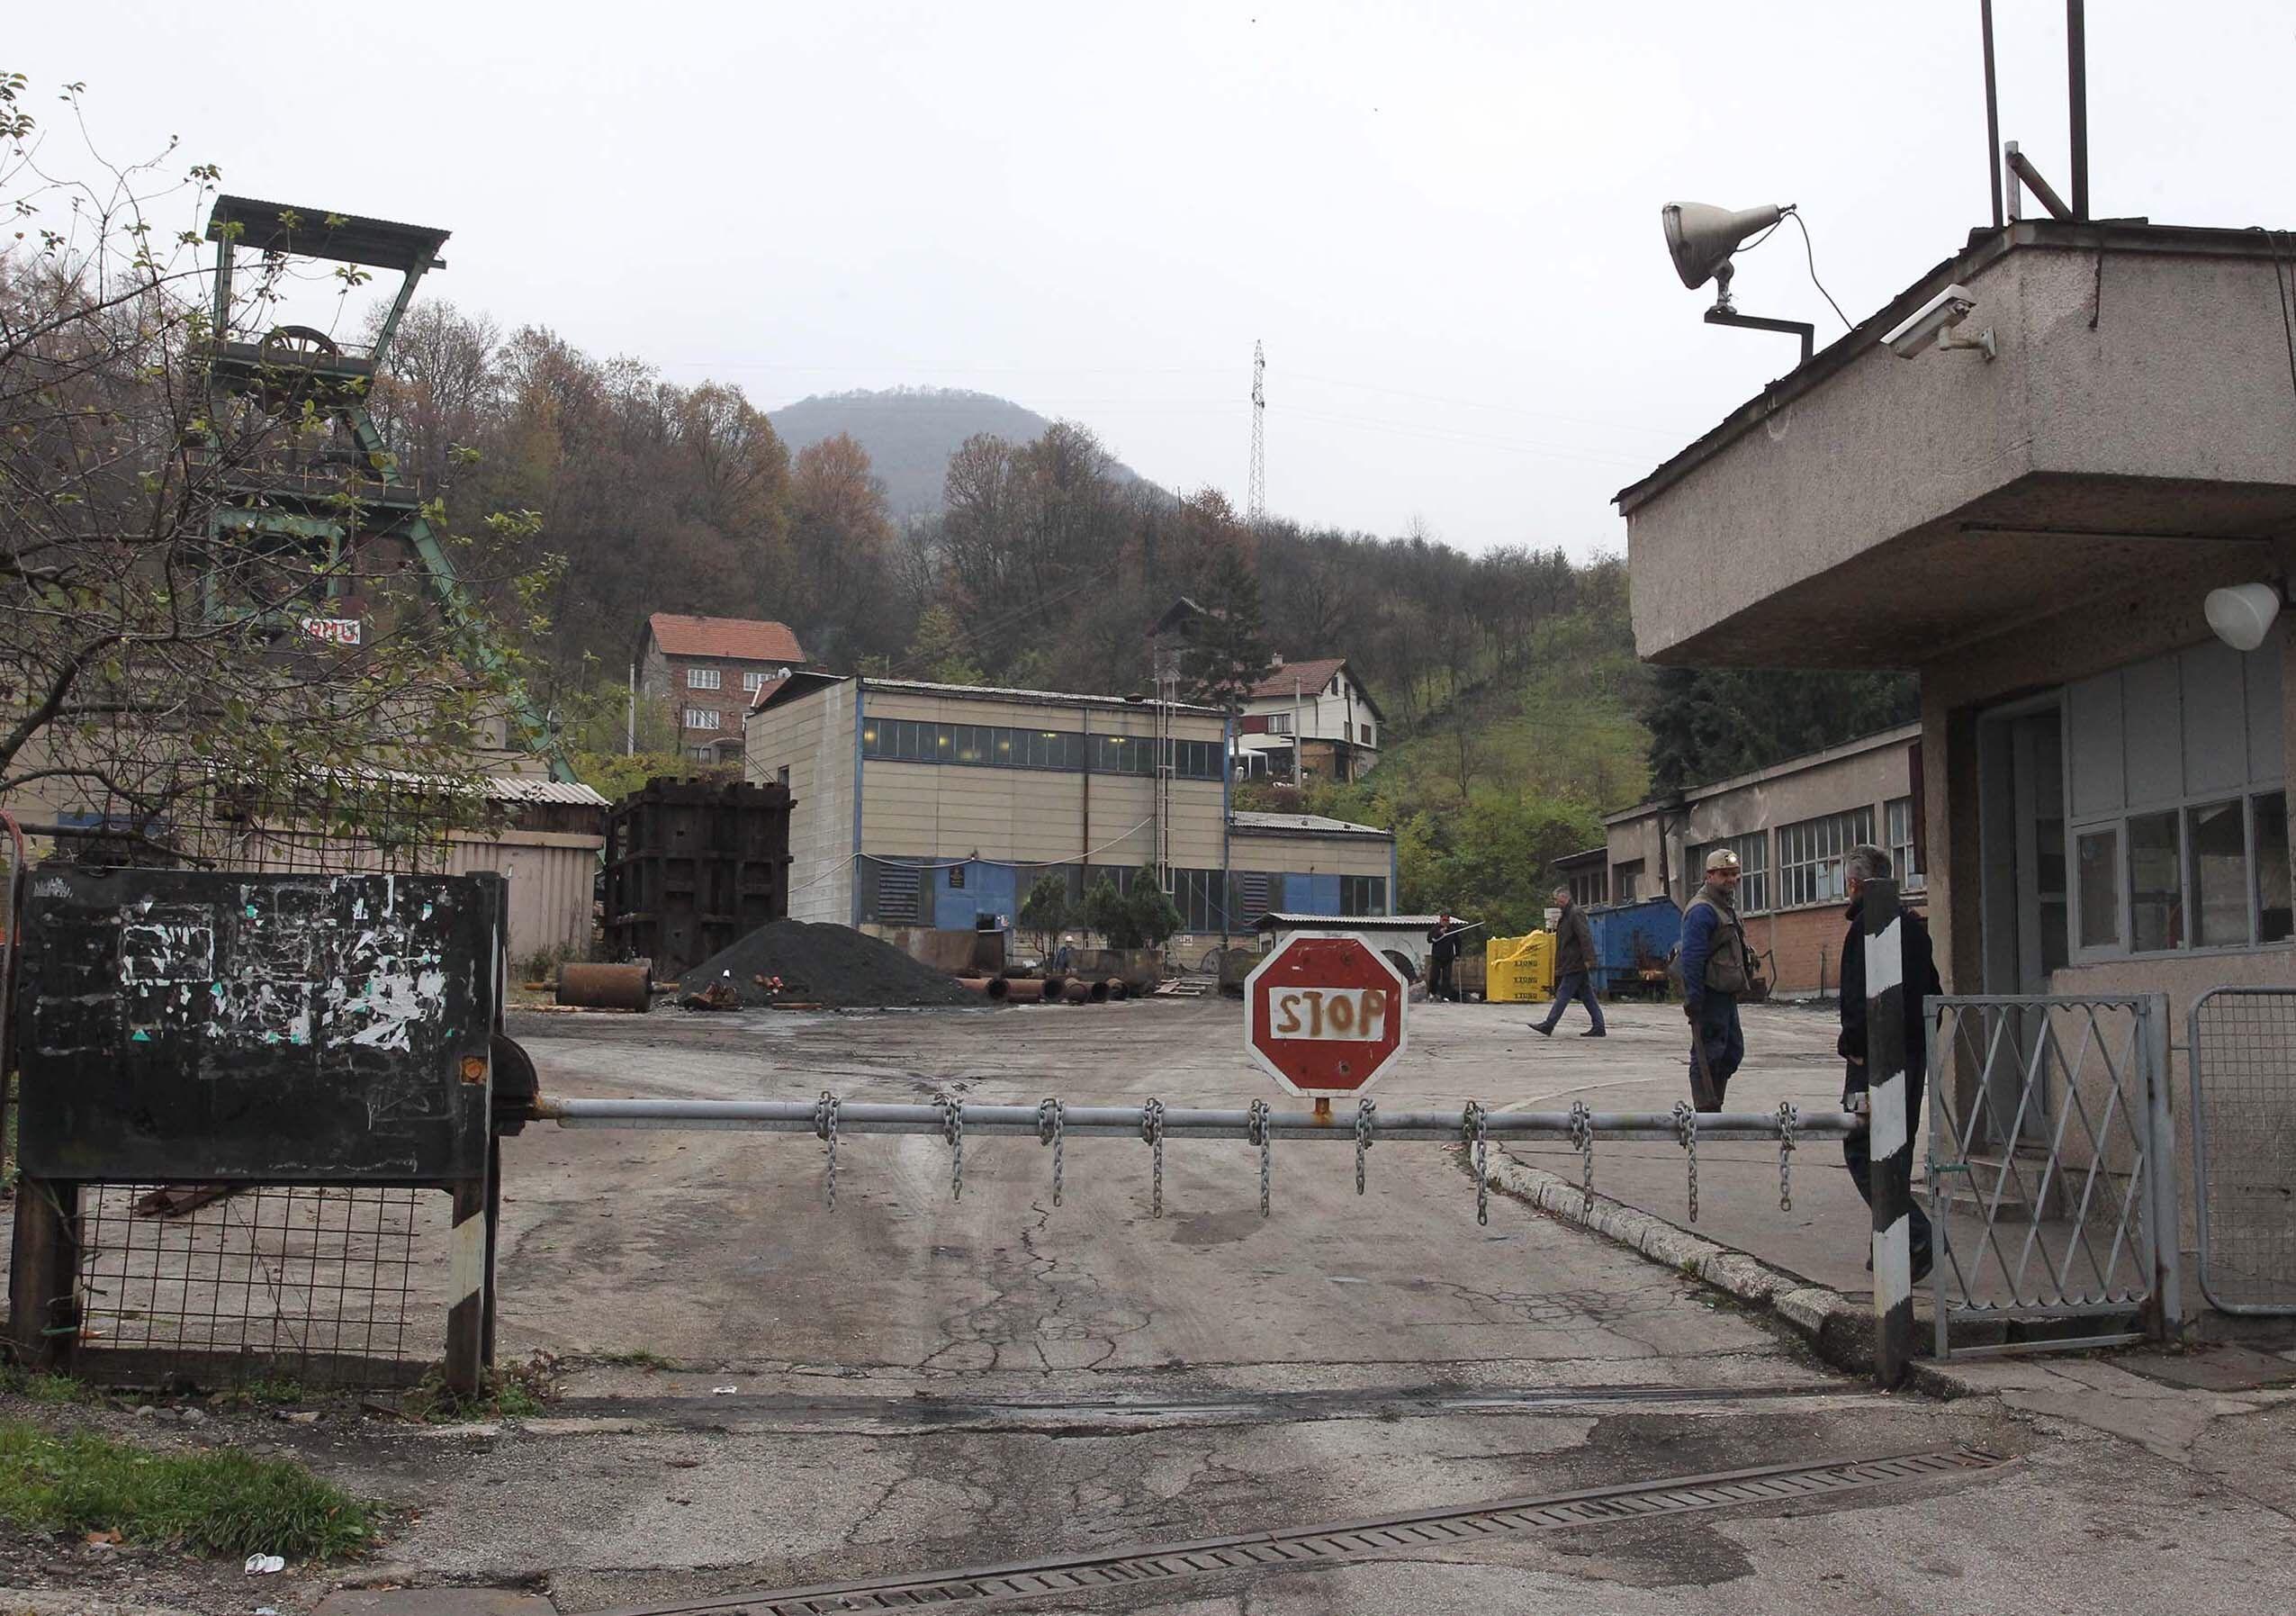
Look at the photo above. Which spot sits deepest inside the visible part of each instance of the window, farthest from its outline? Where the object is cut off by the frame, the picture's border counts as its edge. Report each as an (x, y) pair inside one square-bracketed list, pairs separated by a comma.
[(701, 754), (1898, 820), (1589, 888), (1363, 731), (1753, 867), (781, 775), (1279, 723), (1626, 881), (2270, 814), (1810, 856), (703, 717), (998, 746), (2216, 843), (753, 683), (2099, 852), (2156, 884), (1365, 895), (2178, 816), (702, 679)]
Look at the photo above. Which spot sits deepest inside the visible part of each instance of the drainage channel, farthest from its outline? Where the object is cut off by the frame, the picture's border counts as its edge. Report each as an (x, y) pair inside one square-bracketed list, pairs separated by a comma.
[(1337, 1542)]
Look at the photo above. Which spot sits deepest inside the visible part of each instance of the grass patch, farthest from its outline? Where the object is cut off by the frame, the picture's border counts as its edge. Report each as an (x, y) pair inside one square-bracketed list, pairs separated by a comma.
[(517, 1391), (45, 1388), (216, 1502), (640, 1359)]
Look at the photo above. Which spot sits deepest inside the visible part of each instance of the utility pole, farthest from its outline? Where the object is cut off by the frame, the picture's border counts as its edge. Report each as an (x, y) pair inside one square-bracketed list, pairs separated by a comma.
[(1256, 493)]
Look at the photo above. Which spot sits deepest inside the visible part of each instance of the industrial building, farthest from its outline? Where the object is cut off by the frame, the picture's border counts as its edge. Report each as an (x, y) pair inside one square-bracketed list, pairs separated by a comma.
[(2036, 520), (1790, 826), (935, 805)]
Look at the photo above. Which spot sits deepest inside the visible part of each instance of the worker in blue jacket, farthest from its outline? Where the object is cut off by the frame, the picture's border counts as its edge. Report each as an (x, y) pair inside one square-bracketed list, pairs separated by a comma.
[(1716, 967)]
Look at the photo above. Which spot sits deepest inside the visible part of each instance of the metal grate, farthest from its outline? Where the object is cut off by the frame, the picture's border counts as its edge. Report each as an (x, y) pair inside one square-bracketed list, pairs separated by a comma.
[(1339, 1541), (316, 1285), (2244, 1147), (2040, 1159)]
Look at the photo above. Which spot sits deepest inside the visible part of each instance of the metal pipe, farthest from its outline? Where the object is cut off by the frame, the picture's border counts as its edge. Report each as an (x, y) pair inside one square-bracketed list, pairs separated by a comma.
[(798, 1117), (1992, 113), (2077, 90)]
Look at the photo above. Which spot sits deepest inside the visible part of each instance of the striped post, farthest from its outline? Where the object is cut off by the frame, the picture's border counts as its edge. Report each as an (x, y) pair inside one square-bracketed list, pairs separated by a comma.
[(1889, 1144)]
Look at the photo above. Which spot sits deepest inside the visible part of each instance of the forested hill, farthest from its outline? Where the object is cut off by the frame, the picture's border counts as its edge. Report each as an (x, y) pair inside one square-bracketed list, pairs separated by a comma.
[(909, 434)]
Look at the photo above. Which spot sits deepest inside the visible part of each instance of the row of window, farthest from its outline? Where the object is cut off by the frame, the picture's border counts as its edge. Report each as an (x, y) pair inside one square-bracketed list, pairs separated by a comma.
[(1812, 858), (2211, 875), (899, 891), (703, 717), (996, 747), (713, 678)]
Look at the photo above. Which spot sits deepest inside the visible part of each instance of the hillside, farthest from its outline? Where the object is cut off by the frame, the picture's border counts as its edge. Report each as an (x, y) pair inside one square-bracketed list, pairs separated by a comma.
[(909, 433)]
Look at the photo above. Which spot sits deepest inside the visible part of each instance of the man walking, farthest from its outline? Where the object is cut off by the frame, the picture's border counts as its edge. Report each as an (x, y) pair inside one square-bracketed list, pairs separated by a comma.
[(1443, 950), (1716, 967), (1574, 963), (1865, 863)]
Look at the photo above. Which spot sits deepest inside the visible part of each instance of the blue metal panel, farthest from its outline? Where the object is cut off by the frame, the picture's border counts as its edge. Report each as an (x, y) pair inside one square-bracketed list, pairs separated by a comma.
[(953, 907), (995, 890), (1311, 894)]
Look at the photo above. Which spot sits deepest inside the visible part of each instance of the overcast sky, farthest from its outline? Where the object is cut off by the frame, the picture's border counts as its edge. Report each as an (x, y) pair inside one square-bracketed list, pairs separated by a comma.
[(1442, 220)]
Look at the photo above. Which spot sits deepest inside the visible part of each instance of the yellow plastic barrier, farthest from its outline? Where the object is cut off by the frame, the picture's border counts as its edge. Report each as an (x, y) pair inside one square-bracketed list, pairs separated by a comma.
[(1519, 970)]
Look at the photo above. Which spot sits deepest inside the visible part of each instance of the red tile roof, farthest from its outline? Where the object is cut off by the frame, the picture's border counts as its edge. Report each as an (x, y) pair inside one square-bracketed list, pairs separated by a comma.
[(739, 639), (1311, 676)]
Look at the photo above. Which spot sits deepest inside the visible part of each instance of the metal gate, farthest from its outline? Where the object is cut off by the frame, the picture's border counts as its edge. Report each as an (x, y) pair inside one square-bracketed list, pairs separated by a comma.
[(2052, 1185), (2243, 1053)]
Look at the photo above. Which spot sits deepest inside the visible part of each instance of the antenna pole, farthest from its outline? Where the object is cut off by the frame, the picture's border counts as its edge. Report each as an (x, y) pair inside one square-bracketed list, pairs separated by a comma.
[(1255, 491), (2077, 55), (1992, 113)]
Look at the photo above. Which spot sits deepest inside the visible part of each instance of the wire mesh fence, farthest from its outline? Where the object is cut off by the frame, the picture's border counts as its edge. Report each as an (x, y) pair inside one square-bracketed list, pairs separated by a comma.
[(2042, 1160), (323, 1285), (2242, 1045), (220, 1284)]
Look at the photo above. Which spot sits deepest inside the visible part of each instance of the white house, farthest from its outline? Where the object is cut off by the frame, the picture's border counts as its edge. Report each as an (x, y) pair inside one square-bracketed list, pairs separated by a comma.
[(1316, 713)]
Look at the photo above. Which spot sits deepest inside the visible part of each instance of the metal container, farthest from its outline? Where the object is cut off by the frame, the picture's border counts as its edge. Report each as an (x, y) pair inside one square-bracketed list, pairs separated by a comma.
[(606, 987)]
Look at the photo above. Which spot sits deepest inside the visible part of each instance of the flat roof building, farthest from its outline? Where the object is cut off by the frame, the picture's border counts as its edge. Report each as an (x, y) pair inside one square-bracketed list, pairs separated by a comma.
[(2106, 781), (932, 805)]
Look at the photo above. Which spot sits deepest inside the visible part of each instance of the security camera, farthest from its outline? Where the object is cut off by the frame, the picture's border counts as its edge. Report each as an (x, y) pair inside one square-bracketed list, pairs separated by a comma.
[(1932, 326)]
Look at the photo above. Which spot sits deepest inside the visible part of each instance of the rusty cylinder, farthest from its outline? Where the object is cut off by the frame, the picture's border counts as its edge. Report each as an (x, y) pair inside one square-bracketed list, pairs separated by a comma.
[(1116, 988), (1076, 991), (987, 986), (1054, 981), (1023, 991), (606, 987)]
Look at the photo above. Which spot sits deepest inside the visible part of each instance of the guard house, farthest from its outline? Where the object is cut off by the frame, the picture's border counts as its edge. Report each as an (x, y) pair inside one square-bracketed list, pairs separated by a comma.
[(2103, 791)]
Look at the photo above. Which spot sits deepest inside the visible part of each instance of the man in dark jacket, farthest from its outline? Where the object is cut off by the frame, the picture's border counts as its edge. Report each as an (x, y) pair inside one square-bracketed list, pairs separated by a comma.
[(1716, 967), (1574, 963), (1921, 984), (1443, 951)]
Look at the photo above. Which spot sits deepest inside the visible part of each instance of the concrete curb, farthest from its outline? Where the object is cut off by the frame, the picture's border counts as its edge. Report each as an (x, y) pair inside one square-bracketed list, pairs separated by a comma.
[(1840, 1330)]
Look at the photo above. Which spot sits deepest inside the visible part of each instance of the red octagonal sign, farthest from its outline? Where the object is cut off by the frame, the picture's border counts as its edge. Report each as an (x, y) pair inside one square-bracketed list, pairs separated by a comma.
[(1323, 1015)]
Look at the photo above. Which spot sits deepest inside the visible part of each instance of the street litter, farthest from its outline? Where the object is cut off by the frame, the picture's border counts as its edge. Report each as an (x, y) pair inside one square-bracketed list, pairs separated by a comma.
[(265, 1564)]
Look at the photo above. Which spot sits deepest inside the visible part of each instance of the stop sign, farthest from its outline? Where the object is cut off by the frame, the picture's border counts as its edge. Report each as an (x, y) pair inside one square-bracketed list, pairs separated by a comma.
[(1323, 1015)]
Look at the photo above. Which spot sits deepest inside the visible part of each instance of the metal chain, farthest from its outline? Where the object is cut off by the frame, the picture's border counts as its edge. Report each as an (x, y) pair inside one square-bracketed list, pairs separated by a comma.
[(1582, 1140), (1049, 1118), (1258, 1129), (953, 1129), (1686, 1133), (1789, 1118), (825, 1123), (1476, 1126), (1366, 1113), (1152, 1130)]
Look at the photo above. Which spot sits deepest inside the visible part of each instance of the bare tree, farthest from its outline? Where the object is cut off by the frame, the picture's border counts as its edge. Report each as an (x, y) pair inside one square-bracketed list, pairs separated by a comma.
[(188, 521)]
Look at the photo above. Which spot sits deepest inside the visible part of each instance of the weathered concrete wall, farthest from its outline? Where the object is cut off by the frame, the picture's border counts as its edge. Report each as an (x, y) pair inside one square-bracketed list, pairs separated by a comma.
[(812, 736)]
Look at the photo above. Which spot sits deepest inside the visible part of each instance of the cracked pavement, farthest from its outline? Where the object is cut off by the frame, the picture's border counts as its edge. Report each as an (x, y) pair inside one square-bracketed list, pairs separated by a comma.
[(922, 1383)]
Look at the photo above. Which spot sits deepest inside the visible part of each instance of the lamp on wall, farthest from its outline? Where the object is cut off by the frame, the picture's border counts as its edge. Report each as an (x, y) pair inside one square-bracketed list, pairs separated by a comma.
[(2242, 614)]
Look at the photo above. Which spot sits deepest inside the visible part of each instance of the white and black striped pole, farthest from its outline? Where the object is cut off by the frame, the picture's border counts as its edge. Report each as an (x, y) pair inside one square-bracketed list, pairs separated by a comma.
[(1888, 1142)]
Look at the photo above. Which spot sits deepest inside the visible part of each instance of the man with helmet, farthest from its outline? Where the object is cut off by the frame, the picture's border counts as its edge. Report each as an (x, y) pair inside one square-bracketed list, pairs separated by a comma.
[(1717, 967)]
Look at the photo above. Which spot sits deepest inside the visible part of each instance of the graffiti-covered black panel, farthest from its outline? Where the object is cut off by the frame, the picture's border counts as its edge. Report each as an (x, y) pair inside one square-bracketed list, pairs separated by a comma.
[(206, 1025)]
